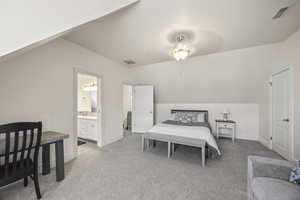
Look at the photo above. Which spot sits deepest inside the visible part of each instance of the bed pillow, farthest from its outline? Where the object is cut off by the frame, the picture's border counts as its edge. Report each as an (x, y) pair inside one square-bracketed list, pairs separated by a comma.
[(200, 117), (183, 117), (188, 117)]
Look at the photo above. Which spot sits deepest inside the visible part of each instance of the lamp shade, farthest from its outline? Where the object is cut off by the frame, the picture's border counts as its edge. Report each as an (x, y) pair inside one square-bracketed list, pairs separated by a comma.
[(226, 111)]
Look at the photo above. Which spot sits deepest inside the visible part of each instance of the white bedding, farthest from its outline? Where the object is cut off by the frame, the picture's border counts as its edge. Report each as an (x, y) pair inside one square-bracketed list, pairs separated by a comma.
[(196, 132)]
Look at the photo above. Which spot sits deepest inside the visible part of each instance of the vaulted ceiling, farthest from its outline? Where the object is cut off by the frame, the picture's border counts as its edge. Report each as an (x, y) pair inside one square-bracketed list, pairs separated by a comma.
[(143, 32), (29, 24)]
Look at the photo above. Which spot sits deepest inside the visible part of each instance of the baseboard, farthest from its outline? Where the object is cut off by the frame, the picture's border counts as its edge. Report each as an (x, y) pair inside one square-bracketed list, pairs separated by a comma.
[(113, 140), (264, 142), (243, 137), (68, 157), (247, 138)]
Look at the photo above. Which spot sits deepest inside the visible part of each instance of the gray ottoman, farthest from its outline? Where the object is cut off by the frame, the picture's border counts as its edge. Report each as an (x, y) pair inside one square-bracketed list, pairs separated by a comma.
[(268, 179)]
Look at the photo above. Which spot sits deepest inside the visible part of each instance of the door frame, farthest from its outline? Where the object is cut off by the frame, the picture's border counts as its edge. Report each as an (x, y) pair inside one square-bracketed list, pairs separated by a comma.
[(77, 71), (291, 110), (132, 87)]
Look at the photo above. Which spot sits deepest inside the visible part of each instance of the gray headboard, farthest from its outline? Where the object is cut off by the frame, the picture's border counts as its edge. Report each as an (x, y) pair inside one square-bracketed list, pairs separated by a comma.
[(197, 111)]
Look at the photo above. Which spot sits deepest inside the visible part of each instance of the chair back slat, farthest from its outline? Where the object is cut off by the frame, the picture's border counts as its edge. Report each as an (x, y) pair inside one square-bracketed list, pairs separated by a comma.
[(38, 144), (21, 139), (23, 148), (16, 147), (31, 133), (7, 152)]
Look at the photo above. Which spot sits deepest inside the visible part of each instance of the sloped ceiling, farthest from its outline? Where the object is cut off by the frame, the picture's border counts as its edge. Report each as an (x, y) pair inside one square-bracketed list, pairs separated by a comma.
[(143, 32), (28, 24)]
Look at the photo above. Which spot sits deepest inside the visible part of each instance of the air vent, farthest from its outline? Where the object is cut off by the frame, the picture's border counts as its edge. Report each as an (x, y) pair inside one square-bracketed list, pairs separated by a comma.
[(281, 12), (129, 62)]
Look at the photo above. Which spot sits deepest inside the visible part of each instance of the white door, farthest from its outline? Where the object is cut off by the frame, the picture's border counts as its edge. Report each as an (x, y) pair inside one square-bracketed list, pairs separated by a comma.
[(142, 108), (280, 112)]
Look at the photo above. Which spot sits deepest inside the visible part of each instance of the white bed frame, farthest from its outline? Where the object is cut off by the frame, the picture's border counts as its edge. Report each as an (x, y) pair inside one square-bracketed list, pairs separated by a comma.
[(149, 137)]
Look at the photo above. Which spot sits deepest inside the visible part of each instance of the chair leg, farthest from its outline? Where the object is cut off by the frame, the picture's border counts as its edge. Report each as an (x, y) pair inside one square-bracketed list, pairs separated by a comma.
[(154, 143), (37, 186), (25, 182)]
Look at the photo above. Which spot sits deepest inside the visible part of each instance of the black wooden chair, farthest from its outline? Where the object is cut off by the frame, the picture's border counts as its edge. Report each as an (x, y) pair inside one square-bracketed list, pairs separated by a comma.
[(20, 141)]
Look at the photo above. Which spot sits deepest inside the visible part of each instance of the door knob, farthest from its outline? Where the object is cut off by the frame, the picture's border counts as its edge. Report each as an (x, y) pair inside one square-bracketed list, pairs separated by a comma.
[(286, 120)]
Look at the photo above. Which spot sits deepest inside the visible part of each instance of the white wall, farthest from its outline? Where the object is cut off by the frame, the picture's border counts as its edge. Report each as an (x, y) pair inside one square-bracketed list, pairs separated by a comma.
[(238, 77), (24, 23), (39, 86), (291, 56), (246, 116)]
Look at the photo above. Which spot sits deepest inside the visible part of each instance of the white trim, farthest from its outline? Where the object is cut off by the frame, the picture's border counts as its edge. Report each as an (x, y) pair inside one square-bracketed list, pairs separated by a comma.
[(245, 137), (132, 88), (269, 141), (77, 71), (291, 111), (67, 158), (113, 140), (265, 142)]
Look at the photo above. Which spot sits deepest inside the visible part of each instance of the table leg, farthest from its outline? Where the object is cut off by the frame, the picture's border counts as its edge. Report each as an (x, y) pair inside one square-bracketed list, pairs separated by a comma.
[(169, 149), (173, 149), (60, 164), (143, 143), (233, 134), (46, 159), (154, 143), (203, 156)]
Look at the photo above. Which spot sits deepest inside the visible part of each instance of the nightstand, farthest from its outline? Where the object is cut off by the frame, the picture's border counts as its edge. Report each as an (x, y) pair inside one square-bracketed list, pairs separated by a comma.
[(226, 124)]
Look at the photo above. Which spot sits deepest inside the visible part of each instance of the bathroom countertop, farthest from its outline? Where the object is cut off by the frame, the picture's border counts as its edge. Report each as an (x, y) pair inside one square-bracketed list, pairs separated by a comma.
[(87, 117)]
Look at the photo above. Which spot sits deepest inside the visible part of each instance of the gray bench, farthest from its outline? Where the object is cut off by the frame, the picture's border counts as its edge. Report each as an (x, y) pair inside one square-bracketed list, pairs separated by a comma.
[(171, 140)]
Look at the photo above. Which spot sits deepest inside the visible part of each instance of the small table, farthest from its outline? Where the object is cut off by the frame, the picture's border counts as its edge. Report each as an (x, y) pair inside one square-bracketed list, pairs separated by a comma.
[(51, 137), (226, 124)]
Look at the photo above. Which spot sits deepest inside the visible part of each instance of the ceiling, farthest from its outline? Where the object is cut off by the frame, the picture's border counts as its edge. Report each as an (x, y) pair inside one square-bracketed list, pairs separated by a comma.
[(144, 32)]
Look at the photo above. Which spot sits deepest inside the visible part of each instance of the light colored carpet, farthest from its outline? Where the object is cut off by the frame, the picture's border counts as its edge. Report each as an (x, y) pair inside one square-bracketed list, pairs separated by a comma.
[(122, 171)]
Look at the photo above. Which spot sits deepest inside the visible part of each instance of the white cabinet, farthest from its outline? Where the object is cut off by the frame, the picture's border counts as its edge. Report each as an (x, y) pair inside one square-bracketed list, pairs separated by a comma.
[(87, 129)]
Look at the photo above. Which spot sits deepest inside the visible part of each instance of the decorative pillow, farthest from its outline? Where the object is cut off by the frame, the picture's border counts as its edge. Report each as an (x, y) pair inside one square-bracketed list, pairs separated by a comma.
[(188, 117), (184, 117), (295, 174), (200, 117), (193, 116)]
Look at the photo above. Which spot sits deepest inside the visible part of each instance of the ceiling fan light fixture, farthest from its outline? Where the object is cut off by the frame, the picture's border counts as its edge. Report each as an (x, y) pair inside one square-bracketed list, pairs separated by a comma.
[(181, 51)]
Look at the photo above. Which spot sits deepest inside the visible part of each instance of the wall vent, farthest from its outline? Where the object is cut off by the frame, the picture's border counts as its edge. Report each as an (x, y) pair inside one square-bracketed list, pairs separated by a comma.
[(281, 12), (129, 62)]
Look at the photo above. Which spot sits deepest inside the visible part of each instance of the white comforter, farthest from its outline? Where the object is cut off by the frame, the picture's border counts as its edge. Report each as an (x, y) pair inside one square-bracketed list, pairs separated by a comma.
[(197, 132)]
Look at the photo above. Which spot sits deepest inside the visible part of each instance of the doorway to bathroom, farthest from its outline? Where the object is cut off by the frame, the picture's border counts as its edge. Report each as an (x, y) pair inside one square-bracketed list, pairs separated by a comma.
[(87, 111)]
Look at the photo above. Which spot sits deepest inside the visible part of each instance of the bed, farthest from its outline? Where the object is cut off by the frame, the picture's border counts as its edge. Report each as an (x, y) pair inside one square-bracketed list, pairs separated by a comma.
[(187, 127)]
